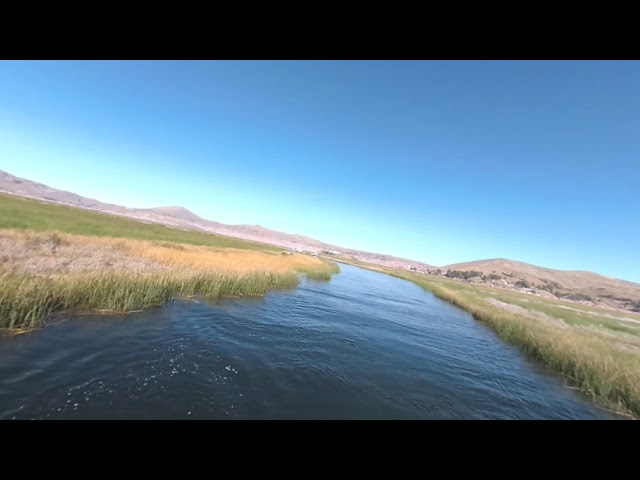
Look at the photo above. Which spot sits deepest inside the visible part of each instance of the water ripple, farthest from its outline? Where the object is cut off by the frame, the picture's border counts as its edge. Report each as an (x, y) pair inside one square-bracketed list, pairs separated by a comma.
[(364, 345)]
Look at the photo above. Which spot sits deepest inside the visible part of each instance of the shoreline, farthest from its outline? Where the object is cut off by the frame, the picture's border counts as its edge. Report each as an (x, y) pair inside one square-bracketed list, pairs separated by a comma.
[(608, 377), (42, 274)]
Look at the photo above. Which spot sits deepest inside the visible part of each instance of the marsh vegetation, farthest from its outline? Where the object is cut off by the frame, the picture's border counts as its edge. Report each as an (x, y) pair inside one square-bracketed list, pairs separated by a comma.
[(56, 259), (597, 350)]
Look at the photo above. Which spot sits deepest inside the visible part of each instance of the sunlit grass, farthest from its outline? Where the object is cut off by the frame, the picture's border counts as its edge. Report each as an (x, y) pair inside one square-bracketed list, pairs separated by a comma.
[(27, 214), (325, 272), (598, 354), (26, 301), (43, 273)]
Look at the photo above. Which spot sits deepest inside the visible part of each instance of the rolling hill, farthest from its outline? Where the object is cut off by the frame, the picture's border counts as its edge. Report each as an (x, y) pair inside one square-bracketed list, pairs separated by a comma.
[(585, 287), (578, 286), (180, 217)]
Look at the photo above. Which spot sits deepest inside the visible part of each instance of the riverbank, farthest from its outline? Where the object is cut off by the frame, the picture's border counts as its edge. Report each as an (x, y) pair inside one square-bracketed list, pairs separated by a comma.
[(376, 347), (44, 273), (596, 350)]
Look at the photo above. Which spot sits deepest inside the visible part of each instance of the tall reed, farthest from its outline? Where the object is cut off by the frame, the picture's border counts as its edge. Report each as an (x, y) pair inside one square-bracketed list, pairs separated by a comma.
[(609, 375), (26, 301), (42, 273)]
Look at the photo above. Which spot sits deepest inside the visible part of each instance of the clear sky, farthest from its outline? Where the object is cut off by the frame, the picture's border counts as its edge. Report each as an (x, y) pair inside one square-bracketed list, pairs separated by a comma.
[(438, 161)]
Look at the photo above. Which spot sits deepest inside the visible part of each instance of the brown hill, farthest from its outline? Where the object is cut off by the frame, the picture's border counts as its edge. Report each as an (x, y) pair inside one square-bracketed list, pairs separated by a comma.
[(180, 217), (580, 286), (180, 213), (26, 188), (570, 284)]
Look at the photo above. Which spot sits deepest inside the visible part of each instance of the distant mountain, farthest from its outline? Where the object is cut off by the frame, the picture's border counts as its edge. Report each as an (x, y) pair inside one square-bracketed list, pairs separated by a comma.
[(180, 213), (27, 188), (180, 217), (585, 287)]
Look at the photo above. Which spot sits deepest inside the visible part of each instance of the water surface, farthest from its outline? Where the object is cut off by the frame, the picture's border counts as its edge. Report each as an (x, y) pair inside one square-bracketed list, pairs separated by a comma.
[(362, 346)]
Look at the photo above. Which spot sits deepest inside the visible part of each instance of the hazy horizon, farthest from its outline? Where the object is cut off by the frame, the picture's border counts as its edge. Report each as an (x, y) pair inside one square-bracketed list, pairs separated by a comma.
[(439, 162)]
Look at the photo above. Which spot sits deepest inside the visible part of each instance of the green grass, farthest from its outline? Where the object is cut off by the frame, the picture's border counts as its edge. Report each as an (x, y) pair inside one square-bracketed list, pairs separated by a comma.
[(570, 313), (27, 214), (603, 365), (27, 301), (574, 314), (325, 272)]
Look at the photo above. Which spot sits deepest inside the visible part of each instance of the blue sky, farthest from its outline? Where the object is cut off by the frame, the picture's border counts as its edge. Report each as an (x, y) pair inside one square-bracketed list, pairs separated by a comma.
[(438, 161)]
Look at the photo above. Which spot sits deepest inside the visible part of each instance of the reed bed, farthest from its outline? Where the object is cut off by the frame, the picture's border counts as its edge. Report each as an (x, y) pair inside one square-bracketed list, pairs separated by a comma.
[(324, 272), (593, 363), (45, 273)]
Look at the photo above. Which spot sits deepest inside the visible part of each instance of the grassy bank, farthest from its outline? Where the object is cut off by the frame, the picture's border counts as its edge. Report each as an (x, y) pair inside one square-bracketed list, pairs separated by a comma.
[(26, 214), (44, 273), (597, 350), (323, 273), (27, 301)]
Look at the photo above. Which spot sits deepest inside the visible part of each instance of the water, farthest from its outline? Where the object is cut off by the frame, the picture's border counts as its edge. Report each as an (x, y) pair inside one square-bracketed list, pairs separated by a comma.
[(362, 346)]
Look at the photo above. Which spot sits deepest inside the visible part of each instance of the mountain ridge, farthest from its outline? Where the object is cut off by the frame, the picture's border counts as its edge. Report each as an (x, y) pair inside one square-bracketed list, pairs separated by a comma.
[(574, 285), (180, 217)]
